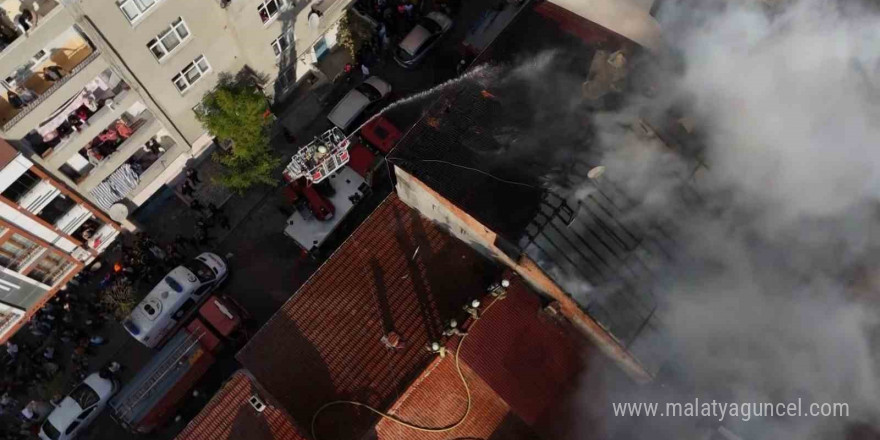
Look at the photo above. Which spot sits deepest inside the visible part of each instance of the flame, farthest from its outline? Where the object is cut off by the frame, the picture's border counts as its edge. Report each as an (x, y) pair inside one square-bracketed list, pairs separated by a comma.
[(486, 94)]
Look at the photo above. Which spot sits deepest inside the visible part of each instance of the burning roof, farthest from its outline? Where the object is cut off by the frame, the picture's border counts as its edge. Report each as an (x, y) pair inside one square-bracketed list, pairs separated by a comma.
[(515, 153)]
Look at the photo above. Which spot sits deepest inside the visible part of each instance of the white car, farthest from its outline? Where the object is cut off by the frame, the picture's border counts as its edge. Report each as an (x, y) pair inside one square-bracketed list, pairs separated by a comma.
[(419, 41), (79, 408), (356, 100)]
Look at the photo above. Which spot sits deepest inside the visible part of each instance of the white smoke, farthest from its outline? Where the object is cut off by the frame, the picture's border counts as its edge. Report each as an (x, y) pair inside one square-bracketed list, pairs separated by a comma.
[(762, 305)]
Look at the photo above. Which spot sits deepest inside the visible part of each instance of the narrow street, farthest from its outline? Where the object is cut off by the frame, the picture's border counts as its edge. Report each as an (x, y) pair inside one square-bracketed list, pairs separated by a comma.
[(267, 267)]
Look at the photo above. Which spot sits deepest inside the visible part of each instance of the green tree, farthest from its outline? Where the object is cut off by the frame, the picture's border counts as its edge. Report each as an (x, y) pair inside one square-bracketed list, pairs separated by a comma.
[(354, 31), (237, 111)]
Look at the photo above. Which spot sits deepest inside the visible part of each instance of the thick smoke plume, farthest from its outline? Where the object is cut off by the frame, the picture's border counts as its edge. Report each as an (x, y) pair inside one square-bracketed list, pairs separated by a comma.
[(774, 294), (772, 298)]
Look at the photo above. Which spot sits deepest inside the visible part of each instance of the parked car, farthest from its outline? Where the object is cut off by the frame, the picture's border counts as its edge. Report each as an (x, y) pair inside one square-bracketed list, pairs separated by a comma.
[(79, 408), (175, 299), (356, 100), (419, 41)]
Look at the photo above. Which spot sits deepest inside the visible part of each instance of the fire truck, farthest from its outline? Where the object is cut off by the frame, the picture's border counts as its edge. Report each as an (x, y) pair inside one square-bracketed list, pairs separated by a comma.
[(322, 188), (154, 394)]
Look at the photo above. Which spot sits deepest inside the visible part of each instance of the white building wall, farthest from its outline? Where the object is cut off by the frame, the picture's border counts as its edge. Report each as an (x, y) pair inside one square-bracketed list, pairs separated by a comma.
[(21, 220), (629, 18), (14, 170)]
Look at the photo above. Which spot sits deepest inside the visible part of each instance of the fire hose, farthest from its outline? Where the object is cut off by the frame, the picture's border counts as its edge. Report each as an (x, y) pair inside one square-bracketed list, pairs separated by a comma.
[(411, 425)]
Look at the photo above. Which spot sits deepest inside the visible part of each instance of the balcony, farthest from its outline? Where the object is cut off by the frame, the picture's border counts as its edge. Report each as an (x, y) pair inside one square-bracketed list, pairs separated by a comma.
[(73, 219), (76, 123), (106, 156), (11, 35), (96, 234), (151, 167), (30, 87)]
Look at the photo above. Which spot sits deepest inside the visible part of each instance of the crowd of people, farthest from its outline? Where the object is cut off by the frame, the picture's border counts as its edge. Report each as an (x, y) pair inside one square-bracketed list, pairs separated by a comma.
[(207, 216), (60, 345), (57, 347)]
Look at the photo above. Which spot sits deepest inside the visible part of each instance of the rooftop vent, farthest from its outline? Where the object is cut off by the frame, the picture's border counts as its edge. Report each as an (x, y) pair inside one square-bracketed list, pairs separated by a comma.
[(257, 403)]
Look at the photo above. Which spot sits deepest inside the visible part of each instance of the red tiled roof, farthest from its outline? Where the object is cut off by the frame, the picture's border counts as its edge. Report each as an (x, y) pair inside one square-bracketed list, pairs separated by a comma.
[(437, 399), (526, 356), (229, 415), (397, 272), (519, 362)]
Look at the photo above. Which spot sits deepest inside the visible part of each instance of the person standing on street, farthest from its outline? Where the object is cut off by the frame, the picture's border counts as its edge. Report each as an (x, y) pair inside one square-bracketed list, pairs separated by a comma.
[(186, 189), (217, 214), (193, 176)]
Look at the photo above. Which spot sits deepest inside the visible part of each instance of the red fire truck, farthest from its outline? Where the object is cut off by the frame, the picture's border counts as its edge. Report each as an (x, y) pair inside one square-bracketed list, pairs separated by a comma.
[(159, 388)]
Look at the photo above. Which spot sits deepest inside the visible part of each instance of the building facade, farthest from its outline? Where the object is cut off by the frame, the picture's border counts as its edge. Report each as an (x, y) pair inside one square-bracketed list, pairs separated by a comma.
[(48, 233), (96, 112)]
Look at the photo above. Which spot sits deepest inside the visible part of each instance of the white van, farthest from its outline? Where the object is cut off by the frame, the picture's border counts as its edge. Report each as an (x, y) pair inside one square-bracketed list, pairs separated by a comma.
[(174, 300)]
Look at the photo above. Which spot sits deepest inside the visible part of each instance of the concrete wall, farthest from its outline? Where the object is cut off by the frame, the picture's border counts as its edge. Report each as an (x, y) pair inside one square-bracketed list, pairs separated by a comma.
[(257, 37), (209, 36), (432, 205), (629, 18)]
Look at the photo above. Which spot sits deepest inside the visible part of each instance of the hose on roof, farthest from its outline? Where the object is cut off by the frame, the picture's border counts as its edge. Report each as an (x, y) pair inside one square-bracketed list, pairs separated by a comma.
[(411, 425)]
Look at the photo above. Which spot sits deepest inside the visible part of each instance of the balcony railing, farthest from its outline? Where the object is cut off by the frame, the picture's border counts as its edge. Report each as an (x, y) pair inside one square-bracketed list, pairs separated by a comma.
[(48, 92), (44, 13), (97, 122)]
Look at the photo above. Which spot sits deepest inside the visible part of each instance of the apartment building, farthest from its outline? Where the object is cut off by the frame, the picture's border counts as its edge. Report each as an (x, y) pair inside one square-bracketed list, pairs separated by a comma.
[(48, 233), (102, 97), (96, 109)]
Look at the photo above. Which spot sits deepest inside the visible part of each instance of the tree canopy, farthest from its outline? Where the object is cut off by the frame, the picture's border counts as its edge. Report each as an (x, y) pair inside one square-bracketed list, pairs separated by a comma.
[(237, 111), (354, 32)]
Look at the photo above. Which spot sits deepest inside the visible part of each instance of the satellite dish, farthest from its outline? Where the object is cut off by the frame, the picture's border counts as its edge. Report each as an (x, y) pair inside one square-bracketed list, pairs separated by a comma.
[(118, 212), (596, 172), (314, 20)]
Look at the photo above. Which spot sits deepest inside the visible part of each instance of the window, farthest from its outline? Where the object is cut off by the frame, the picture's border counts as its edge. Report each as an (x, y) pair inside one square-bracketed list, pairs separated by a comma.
[(134, 9), (321, 48), (51, 431), (268, 9), (280, 44), (169, 39), (84, 396), (21, 186), (369, 91), (39, 56), (430, 25), (184, 309), (72, 428), (286, 78), (200, 269), (59, 206), (50, 269), (16, 251), (202, 289), (191, 73), (86, 413), (173, 284)]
